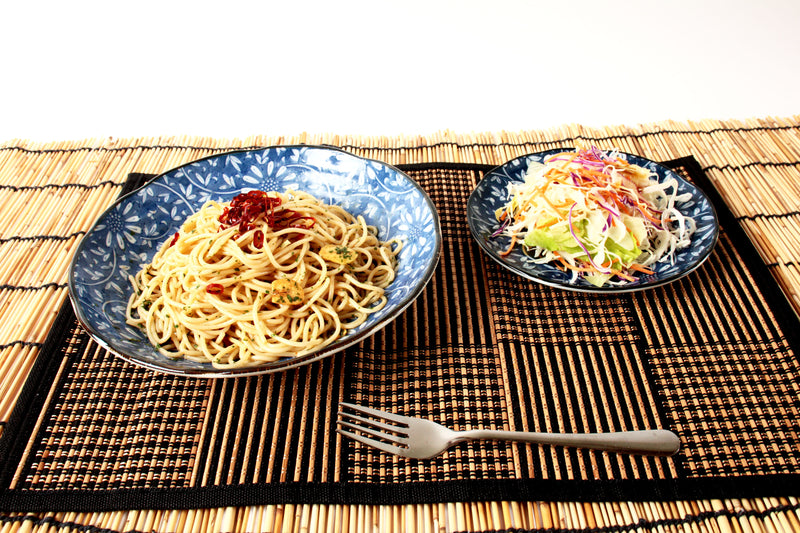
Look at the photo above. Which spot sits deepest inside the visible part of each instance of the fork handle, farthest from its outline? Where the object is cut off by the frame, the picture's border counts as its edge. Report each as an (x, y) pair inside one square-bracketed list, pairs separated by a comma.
[(647, 442)]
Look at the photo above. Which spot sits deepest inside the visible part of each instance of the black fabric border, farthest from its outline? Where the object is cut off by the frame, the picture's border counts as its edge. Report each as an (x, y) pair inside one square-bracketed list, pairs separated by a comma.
[(641, 523), (462, 491), (33, 396)]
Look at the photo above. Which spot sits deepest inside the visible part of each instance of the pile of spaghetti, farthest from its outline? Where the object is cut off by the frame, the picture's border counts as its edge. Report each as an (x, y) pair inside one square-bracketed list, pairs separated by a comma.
[(595, 215), (263, 277)]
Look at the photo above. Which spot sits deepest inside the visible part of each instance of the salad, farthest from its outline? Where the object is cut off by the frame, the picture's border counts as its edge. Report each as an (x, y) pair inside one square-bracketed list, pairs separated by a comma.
[(594, 214)]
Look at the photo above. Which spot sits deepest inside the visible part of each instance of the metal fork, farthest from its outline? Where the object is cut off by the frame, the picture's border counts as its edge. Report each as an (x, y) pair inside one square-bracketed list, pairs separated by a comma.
[(422, 439)]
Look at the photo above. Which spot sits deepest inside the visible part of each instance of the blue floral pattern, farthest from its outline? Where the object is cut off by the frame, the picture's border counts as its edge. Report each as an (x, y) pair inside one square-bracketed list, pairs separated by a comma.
[(491, 193), (128, 234)]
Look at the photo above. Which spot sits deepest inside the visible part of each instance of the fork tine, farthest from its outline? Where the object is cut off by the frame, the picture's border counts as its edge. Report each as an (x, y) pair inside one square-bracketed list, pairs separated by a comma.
[(372, 442), (375, 412), (397, 439), (374, 423)]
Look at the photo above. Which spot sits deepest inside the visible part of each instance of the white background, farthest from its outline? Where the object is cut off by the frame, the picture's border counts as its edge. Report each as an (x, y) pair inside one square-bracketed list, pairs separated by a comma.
[(229, 69)]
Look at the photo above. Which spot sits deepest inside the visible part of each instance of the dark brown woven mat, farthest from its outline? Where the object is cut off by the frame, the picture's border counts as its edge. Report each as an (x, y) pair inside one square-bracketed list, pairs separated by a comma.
[(712, 357)]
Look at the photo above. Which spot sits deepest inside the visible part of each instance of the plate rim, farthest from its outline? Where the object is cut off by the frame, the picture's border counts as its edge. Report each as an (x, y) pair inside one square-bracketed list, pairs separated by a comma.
[(480, 239), (272, 366)]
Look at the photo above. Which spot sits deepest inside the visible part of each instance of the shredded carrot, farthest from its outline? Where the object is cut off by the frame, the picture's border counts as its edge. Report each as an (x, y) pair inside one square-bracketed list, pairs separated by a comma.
[(596, 176), (572, 157), (546, 224), (510, 246), (557, 175), (623, 275), (554, 207), (640, 268), (648, 216), (568, 266)]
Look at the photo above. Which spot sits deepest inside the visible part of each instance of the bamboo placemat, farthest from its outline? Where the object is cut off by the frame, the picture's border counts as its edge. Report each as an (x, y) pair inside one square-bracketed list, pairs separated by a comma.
[(44, 180), (471, 353)]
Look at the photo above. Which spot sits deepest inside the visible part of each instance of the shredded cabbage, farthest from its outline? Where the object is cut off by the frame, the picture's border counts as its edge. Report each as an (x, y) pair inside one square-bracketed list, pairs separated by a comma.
[(596, 215)]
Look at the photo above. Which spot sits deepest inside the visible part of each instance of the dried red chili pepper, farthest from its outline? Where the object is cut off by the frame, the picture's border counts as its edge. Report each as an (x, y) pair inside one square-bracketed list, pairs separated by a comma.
[(258, 238), (175, 238), (214, 288), (245, 208)]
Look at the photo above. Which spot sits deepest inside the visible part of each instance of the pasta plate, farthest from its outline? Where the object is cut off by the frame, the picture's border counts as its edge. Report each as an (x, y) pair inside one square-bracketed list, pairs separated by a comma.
[(127, 235), (491, 193)]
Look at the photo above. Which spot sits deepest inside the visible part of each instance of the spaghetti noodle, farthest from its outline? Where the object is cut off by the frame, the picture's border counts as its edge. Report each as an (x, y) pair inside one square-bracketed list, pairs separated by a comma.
[(263, 277)]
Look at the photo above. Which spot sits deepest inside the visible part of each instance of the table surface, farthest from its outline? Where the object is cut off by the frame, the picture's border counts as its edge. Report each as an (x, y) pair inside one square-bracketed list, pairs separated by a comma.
[(89, 68)]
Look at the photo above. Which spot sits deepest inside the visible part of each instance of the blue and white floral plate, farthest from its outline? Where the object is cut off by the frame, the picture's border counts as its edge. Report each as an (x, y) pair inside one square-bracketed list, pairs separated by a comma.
[(491, 194), (127, 235)]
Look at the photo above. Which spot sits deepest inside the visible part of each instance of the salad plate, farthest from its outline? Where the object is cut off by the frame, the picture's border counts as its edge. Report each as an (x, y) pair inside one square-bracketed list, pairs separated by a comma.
[(491, 194), (128, 234)]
